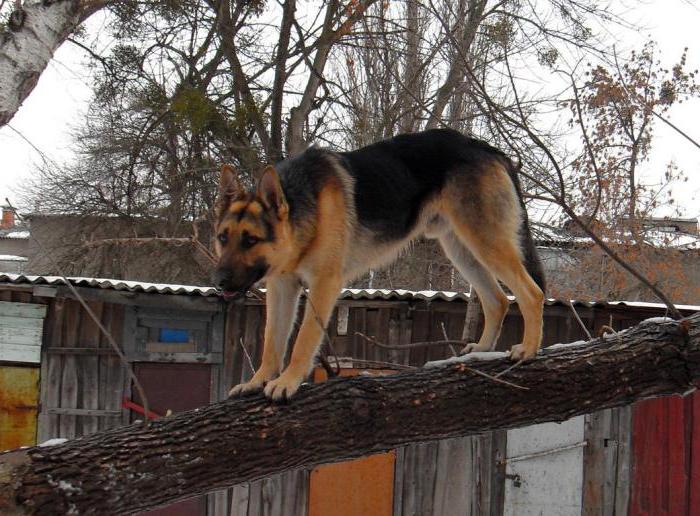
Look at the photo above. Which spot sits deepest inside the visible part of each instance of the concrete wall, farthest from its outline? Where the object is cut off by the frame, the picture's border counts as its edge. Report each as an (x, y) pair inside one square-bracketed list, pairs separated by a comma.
[(14, 246)]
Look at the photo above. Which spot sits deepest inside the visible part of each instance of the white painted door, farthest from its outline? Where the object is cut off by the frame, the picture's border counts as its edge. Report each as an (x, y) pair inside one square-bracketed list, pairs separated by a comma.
[(544, 469)]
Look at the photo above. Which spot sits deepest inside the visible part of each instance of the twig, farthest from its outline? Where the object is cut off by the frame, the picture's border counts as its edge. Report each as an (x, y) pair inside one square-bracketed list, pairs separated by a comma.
[(496, 378), (323, 329), (410, 345), (461, 365), (444, 334), (508, 369), (583, 326), (374, 363), (245, 352)]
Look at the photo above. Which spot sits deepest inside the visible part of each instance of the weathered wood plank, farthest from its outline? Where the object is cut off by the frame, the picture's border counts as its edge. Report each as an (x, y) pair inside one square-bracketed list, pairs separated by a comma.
[(420, 332), (218, 503), (81, 351), (417, 489), (295, 493), (232, 332), (84, 412), (252, 344), (155, 300), (454, 484), (112, 373), (20, 336), (51, 374), (255, 505), (20, 353), (240, 495), (69, 373), (399, 469), (22, 310), (174, 320), (88, 367), (21, 322), (623, 475), (184, 358)]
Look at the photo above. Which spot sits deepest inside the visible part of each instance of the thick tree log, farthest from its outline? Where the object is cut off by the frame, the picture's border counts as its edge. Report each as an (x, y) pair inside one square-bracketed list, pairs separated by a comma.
[(134, 468), (33, 33)]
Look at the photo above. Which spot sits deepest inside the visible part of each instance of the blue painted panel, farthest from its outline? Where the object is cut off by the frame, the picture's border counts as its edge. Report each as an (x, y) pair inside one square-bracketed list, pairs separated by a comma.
[(173, 335)]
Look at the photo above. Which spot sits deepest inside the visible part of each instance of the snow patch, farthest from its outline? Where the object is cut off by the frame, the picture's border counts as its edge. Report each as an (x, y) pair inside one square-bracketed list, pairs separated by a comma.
[(53, 442), (13, 258), (656, 320), (17, 234), (68, 487), (475, 356), (566, 345)]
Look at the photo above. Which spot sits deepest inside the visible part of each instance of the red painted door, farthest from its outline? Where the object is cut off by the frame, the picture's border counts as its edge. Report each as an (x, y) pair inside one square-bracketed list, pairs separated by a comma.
[(666, 457), (175, 387)]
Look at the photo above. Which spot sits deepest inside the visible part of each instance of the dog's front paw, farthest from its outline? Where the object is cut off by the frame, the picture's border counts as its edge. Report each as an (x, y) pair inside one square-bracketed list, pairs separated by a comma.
[(520, 352), (255, 384), (283, 387), (473, 347)]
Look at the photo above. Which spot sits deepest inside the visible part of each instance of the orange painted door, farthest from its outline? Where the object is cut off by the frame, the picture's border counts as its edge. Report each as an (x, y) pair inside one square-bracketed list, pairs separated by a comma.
[(359, 487), (19, 399)]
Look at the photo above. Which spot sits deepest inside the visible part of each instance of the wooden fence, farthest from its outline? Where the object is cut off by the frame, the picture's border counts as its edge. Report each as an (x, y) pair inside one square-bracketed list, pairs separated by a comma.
[(83, 388)]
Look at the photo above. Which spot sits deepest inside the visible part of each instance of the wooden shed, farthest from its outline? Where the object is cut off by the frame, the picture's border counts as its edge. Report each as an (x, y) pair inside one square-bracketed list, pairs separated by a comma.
[(188, 346)]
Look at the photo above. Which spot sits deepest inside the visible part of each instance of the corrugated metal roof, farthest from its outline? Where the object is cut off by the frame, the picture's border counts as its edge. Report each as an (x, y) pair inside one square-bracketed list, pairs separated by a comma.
[(111, 284), (347, 293)]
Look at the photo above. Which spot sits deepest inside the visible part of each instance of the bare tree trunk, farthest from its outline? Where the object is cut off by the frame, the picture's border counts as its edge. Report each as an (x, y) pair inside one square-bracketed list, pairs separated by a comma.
[(299, 114), (288, 10), (128, 469), (468, 20), (414, 77), (34, 31)]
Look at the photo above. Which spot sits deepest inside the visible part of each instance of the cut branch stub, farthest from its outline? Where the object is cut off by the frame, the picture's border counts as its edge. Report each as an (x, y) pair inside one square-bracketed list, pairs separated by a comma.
[(134, 468)]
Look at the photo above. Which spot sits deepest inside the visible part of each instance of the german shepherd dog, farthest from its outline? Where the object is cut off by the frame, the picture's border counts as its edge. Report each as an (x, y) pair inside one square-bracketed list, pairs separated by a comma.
[(322, 218)]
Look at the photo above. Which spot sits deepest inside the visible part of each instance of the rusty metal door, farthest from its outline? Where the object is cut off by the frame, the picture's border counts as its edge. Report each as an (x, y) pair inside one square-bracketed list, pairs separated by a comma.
[(666, 462), (19, 398)]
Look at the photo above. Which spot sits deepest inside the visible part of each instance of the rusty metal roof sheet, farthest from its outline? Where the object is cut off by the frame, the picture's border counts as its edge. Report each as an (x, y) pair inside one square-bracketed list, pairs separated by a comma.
[(347, 293)]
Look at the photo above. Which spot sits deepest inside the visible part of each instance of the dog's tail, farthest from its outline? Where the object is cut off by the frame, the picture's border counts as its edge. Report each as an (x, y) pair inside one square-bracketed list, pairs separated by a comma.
[(530, 256)]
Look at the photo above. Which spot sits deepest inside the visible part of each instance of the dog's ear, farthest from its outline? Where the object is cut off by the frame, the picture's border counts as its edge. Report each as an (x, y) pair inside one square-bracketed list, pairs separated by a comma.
[(229, 188), (270, 191)]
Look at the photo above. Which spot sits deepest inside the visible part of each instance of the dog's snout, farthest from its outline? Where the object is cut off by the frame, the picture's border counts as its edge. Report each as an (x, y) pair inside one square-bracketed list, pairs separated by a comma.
[(222, 277)]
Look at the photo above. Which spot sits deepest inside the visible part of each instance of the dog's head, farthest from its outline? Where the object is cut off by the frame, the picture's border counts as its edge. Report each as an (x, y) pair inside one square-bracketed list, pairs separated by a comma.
[(253, 233)]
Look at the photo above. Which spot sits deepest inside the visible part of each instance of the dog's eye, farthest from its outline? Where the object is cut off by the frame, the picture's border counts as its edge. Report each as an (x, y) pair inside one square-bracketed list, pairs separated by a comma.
[(248, 241), (223, 238)]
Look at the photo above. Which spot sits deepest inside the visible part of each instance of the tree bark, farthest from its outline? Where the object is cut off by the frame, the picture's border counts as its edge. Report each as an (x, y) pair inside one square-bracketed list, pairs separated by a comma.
[(33, 33), (135, 468)]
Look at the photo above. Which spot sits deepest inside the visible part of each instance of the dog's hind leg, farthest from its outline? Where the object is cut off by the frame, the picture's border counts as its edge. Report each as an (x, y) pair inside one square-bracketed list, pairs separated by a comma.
[(486, 216), (493, 301), (498, 251)]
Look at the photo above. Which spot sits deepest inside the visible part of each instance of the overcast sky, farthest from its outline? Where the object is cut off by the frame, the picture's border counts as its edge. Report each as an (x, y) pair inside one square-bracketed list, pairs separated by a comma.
[(60, 100)]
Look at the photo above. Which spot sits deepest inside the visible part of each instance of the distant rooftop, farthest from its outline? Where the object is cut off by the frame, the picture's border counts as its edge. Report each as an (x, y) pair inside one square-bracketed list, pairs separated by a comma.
[(15, 233)]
